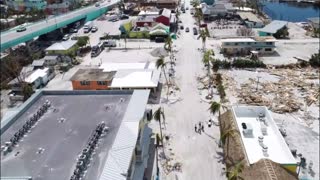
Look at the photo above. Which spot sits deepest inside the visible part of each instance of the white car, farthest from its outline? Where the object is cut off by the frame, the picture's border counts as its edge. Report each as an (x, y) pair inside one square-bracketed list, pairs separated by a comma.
[(66, 37), (94, 29)]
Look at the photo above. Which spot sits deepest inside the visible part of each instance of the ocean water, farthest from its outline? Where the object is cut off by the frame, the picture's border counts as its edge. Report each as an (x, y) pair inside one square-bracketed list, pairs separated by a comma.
[(293, 11)]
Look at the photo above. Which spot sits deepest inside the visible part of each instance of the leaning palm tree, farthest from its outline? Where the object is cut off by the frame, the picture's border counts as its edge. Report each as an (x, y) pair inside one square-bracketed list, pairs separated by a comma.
[(199, 16), (207, 58), (234, 173), (158, 115), (203, 35), (225, 138), (160, 63), (214, 108)]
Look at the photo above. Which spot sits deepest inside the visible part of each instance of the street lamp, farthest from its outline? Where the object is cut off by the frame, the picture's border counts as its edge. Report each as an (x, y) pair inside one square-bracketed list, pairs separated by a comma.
[(258, 77)]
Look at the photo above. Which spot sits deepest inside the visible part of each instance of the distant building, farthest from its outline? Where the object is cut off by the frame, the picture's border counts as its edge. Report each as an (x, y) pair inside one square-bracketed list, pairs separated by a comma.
[(62, 48), (27, 5), (164, 17), (35, 79), (123, 76), (169, 4), (92, 79), (250, 20), (262, 45), (211, 12), (208, 2), (314, 22), (272, 28)]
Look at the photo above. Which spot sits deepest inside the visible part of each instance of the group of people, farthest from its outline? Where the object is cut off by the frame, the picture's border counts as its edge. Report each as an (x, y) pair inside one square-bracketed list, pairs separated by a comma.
[(200, 127)]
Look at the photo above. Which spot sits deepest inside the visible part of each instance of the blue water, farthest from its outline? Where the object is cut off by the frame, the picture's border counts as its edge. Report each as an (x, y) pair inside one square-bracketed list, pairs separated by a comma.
[(293, 12)]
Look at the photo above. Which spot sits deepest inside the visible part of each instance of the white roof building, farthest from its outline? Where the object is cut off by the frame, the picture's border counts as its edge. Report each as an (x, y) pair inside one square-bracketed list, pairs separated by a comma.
[(260, 135), (133, 75), (61, 46), (274, 26)]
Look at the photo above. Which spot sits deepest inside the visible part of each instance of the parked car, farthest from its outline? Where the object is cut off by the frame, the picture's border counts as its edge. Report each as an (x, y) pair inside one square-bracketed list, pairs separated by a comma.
[(21, 28), (179, 21), (109, 43), (73, 30), (195, 31), (187, 29), (96, 50), (181, 27), (123, 16), (159, 39), (66, 37), (187, 8), (94, 29), (97, 4)]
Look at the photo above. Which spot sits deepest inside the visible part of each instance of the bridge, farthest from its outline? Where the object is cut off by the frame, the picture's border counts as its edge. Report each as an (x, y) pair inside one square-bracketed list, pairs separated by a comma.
[(11, 38)]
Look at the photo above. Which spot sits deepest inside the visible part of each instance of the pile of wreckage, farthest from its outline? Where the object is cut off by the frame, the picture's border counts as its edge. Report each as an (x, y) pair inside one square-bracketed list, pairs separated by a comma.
[(291, 93)]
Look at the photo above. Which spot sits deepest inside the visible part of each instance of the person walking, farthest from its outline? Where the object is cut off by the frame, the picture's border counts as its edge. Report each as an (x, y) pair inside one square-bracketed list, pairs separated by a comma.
[(195, 128), (210, 123), (202, 128)]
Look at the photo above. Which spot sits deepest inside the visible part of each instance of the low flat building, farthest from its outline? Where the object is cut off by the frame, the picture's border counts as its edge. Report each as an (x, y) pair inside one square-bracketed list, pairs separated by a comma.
[(250, 20), (36, 79), (261, 137), (119, 76), (243, 46), (62, 48), (92, 79), (272, 28), (100, 135)]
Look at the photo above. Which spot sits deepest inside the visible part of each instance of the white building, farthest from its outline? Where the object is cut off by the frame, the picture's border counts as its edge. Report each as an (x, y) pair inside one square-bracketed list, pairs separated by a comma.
[(262, 45), (36, 79), (250, 19), (133, 75), (261, 137)]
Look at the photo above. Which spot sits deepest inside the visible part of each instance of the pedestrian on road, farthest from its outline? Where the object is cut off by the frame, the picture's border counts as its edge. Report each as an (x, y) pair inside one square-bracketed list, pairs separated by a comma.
[(209, 123), (202, 128), (195, 127)]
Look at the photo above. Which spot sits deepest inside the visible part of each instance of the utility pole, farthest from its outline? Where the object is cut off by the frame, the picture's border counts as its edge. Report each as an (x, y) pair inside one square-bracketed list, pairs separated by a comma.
[(257, 83)]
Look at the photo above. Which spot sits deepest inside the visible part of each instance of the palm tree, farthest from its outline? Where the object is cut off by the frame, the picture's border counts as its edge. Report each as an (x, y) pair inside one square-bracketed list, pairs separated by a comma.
[(207, 58), (160, 63), (195, 3), (199, 16), (203, 35), (158, 115), (234, 173), (229, 132)]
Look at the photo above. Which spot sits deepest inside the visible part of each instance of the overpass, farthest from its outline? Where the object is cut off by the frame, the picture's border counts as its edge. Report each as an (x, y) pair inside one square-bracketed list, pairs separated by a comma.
[(11, 38)]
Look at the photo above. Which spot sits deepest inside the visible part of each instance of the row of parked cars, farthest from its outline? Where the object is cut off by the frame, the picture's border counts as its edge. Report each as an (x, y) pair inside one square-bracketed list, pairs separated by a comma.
[(97, 49)]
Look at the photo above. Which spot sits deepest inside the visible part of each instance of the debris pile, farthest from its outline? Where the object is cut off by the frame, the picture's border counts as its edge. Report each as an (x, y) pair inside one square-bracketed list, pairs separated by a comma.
[(295, 90)]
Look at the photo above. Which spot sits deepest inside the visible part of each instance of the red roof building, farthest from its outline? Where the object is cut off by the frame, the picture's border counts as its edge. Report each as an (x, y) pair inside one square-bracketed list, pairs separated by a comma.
[(164, 18)]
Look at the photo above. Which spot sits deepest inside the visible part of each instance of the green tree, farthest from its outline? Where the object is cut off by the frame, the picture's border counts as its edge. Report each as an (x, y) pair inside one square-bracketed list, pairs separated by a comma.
[(225, 138), (206, 59), (199, 16), (195, 3), (82, 41), (282, 33), (160, 63), (158, 115), (203, 35), (315, 60), (236, 170)]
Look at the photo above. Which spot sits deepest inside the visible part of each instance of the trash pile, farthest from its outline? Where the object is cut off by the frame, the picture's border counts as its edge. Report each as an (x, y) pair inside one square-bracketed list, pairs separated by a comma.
[(295, 90)]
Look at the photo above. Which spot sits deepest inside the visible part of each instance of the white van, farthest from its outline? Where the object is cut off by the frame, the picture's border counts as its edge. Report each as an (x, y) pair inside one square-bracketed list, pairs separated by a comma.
[(87, 27)]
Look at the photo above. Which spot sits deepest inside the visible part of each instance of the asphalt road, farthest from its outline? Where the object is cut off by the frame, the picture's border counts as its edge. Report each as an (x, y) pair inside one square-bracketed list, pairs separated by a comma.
[(12, 34)]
